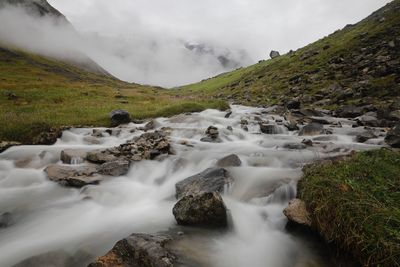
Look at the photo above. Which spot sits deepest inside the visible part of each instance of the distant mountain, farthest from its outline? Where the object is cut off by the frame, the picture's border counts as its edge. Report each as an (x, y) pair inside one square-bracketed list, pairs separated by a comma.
[(36, 8), (227, 58), (42, 9)]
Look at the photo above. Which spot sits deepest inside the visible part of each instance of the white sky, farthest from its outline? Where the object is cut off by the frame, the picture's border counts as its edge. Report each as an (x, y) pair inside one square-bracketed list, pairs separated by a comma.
[(145, 32)]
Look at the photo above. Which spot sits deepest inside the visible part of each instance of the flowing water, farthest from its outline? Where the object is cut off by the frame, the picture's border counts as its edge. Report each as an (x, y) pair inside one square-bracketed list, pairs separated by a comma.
[(87, 222)]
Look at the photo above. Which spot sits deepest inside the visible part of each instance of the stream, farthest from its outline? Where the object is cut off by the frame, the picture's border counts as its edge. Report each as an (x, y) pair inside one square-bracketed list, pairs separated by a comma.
[(45, 217)]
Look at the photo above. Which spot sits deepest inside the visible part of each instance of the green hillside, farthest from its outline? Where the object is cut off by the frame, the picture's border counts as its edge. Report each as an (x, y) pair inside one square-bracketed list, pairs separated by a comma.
[(37, 93), (356, 65)]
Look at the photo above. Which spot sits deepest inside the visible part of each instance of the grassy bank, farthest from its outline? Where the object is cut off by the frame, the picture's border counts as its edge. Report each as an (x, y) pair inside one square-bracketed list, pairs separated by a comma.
[(37, 93), (356, 205)]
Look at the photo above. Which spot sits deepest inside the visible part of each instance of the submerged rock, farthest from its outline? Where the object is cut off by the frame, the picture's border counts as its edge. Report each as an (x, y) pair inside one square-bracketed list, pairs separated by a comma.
[(138, 250), (230, 161), (49, 259), (295, 146), (393, 137), (210, 180), (269, 128), (73, 177), (6, 219), (312, 129), (297, 212), (205, 209), (119, 116)]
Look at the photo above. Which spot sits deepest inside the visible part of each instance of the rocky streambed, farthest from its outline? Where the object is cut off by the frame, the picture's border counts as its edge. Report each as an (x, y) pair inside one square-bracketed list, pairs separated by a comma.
[(202, 189)]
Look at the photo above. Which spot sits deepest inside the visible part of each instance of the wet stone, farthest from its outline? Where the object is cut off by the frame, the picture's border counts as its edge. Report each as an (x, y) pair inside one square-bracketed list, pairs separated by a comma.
[(211, 180), (230, 161), (312, 129), (203, 209), (139, 250)]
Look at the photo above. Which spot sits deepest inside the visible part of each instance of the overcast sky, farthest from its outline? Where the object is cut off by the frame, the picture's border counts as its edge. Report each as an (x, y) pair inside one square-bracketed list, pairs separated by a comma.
[(148, 35)]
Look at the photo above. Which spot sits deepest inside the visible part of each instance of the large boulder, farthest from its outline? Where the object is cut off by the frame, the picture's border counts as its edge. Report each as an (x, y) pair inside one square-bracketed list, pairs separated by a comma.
[(48, 137), (312, 129), (393, 137), (138, 250), (73, 177), (204, 209), (229, 161), (274, 54), (211, 180), (73, 156), (119, 116), (297, 213)]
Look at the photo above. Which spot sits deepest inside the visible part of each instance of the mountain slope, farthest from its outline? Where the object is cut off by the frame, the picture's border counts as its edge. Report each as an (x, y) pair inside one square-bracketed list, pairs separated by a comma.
[(41, 11), (358, 65), (38, 93)]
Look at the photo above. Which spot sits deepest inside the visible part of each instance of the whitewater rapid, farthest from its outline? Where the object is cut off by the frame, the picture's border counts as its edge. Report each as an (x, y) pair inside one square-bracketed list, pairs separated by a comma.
[(87, 222)]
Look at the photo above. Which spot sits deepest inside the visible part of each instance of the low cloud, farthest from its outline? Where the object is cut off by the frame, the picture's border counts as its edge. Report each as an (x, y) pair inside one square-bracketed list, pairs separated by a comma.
[(175, 42)]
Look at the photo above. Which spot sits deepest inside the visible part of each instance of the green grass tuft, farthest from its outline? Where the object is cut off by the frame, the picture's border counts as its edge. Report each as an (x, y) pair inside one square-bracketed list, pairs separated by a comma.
[(356, 204)]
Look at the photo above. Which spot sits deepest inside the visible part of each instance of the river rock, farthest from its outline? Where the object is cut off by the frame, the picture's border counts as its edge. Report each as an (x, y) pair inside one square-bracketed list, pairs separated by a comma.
[(312, 129), (297, 212), (100, 156), (138, 250), (228, 114), (97, 133), (295, 146), (203, 209), (212, 135), (48, 137), (394, 115), (368, 120), (365, 136), (230, 161), (349, 111), (269, 128), (393, 137), (115, 168), (211, 180), (119, 116), (293, 104), (73, 177), (73, 156), (6, 145), (147, 146)]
